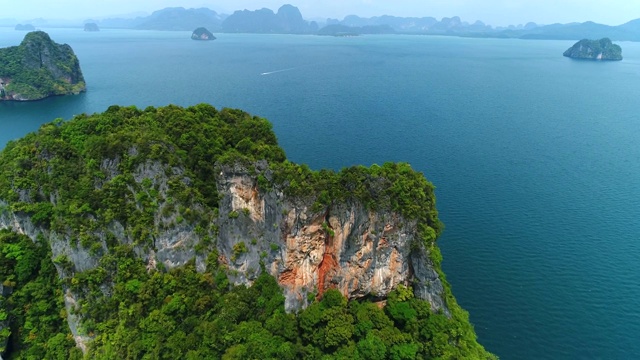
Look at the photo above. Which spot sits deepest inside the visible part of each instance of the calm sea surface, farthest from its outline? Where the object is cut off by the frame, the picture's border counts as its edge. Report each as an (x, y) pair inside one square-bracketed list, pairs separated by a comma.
[(536, 157)]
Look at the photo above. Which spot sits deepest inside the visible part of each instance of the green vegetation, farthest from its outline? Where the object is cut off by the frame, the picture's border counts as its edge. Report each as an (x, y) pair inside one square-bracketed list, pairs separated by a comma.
[(35, 309), (186, 314), (39, 68), (80, 177), (602, 49), (239, 249)]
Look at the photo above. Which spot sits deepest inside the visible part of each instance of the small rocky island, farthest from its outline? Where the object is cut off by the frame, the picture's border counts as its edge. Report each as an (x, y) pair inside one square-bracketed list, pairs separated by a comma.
[(25, 27), (202, 33), (602, 49), (39, 68), (91, 27)]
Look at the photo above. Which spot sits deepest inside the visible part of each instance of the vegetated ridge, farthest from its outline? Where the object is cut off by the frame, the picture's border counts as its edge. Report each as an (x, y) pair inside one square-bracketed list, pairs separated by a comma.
[(180, 233), (39, 68)]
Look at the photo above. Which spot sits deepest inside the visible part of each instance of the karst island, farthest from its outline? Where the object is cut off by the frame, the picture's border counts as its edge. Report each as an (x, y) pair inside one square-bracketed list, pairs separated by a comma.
[(39, 68), (202, 34), (187, 231), (602, 49)]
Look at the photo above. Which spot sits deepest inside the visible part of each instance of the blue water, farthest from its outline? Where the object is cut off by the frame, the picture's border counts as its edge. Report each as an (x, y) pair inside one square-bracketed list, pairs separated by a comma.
[(536, 157)]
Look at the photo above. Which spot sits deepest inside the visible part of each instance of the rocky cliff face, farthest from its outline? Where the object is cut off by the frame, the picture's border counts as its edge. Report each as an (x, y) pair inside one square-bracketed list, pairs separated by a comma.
[(344, 246), (361, 253), (39, 68)]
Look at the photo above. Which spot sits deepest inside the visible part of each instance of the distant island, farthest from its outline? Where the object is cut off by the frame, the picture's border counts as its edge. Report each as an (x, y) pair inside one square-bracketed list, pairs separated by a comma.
[(602, 49), (289, 20), (39, 68), (345, 31), (179, 19), (202, 34), (25, 27), (91, 27)]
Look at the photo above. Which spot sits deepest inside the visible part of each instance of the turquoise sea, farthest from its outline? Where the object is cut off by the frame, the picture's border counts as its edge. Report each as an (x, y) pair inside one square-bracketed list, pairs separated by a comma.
[(536, 157)]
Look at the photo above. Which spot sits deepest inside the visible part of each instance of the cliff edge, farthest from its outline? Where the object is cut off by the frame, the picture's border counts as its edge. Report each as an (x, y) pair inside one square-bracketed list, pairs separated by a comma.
[(39, 68)]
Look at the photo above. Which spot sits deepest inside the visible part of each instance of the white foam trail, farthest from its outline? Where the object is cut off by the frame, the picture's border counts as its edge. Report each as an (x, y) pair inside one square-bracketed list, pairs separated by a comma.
[(277, 71)]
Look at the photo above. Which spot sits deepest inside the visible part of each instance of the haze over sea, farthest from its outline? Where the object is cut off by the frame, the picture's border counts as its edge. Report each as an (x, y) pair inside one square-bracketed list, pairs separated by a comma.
[(536, 157)]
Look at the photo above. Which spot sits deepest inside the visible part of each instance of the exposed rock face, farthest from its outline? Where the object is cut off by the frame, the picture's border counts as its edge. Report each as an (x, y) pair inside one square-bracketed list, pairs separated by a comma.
[(346, 247), (602, 49), (81, 259), (21, 69), (174, 246)]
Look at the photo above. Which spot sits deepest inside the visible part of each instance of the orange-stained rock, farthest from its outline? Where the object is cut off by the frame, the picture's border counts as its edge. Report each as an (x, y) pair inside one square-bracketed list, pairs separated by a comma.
[(344, 246)]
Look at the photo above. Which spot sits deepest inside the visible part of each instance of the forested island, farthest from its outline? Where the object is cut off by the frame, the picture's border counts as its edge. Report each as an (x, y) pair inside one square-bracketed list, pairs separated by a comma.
[(287, 20), (91, 27), (202, 34), (602, 49), (185, 233), (25, 27), (39, 68)]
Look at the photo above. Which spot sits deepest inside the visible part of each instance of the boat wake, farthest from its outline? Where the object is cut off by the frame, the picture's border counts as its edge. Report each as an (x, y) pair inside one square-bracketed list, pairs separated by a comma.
[(278, 71)]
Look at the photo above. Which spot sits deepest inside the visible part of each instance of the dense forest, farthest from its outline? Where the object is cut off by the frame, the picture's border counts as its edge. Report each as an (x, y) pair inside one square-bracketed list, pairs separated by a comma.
[(57, 177)]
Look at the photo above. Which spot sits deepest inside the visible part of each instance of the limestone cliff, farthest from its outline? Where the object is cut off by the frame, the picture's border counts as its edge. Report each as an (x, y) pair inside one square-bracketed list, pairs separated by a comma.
[(39, 68), (344, 246)]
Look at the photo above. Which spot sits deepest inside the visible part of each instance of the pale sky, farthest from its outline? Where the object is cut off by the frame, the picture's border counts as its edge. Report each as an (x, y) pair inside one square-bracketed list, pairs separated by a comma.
[(493, 12)]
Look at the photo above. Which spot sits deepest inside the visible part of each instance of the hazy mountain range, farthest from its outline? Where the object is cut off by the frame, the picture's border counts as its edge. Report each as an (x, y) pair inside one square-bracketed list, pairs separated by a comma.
[(289, 20)]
